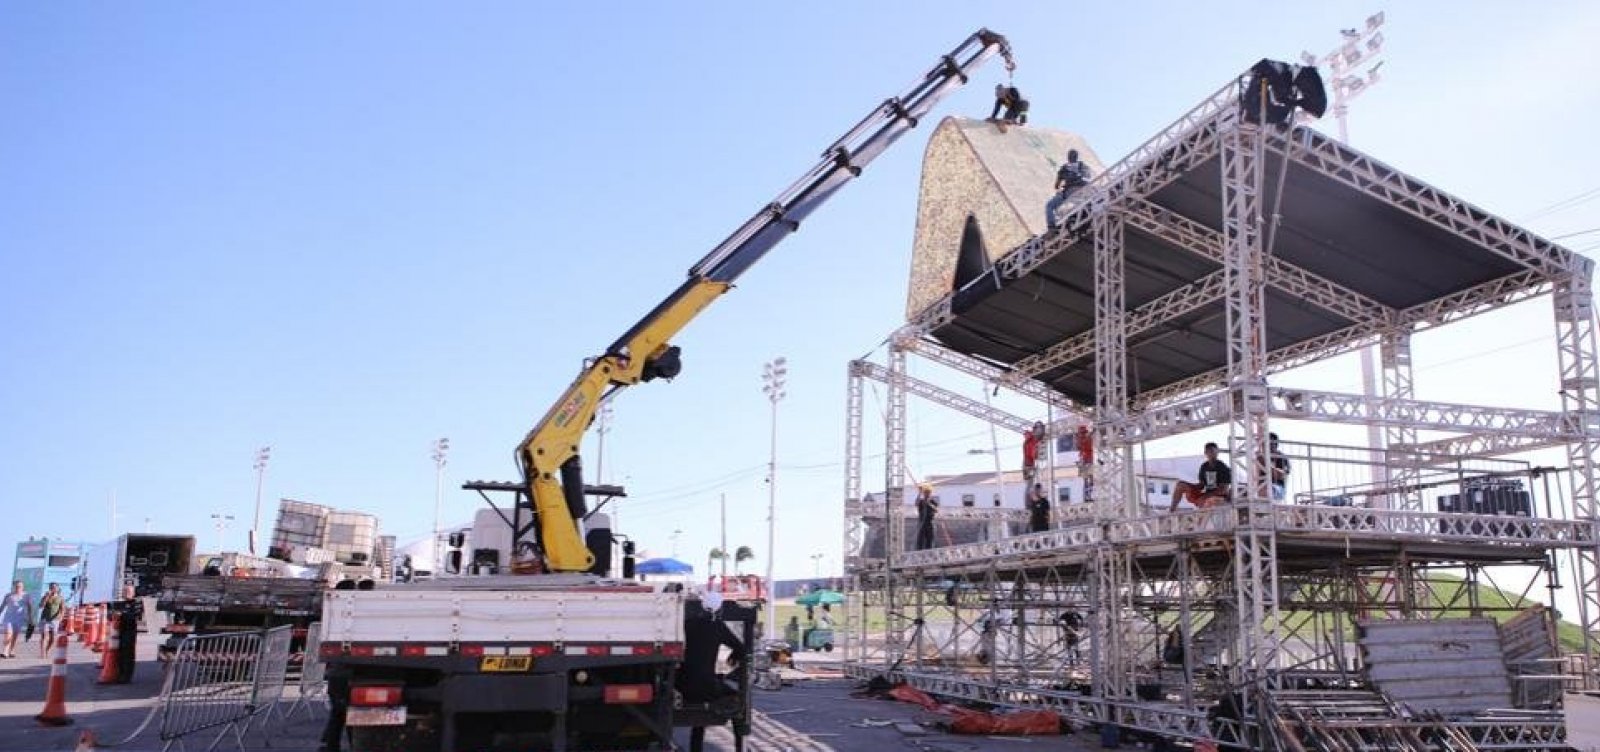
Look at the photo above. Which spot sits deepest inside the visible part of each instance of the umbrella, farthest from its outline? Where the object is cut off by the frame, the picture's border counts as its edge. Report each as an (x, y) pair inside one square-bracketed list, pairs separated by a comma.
[(663, 566), (820, 597)]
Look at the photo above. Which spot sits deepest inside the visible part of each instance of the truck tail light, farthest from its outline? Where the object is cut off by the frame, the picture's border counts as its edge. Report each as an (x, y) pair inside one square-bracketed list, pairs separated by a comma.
[(629, 694), (330, 649), (375, 695), (674, 649)]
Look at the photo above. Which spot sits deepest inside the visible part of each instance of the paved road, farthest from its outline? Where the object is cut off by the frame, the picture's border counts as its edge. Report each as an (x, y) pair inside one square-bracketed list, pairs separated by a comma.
[(810, 716)]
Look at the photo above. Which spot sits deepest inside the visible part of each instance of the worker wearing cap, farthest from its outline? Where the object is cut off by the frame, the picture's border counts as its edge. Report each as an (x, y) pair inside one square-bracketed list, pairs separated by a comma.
[(927, 509)]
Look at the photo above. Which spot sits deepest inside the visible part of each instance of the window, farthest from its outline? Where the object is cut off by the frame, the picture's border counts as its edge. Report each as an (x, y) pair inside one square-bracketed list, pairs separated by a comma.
[(1166, 488), (1064, 494), (1149, 488), (969, 500)]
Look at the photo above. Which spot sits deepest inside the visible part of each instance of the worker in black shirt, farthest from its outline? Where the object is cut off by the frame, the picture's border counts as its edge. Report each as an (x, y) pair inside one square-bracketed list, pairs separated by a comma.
[(1010, 99), (1071, 176), (1038, 510), (1280, 468), (927, 509), (1212, 486), (125, 619), (704, 636)]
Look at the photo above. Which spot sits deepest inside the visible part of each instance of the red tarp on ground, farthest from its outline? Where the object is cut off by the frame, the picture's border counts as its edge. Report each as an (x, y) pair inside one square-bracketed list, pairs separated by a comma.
[(964, 721)]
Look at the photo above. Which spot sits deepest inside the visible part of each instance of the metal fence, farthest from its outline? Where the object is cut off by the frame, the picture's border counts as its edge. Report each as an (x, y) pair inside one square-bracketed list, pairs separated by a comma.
[(223, 682), (312, 669)]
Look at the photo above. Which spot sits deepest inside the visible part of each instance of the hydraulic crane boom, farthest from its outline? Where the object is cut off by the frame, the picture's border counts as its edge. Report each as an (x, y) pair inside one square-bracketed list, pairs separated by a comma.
[(551, 469)]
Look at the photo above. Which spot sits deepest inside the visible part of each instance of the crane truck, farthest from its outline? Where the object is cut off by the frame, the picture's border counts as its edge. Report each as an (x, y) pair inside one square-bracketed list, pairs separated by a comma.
[(546, 651)]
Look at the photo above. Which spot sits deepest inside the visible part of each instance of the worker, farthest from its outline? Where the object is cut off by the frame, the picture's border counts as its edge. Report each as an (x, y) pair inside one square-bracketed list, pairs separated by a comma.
[(1030, 451), (125, 619), (1038, 509), (1213, 483), (1280, 468), (927, 509), (704, 636), (1071, 176), (338, 678), (1009, 98)]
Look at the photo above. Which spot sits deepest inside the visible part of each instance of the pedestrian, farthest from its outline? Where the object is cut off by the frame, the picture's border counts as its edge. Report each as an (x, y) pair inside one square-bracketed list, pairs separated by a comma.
[(927, 509), (1038, 509), (16, 614), (51, 604), (1030, 451), (1072, 175), (1010, 99), (1213, 483)]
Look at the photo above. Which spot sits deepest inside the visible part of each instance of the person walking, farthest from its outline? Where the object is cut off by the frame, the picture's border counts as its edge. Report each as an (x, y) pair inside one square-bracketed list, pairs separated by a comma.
[(16, 614), (1071, 176), (1038, 509), (51, 604), (927, 509)]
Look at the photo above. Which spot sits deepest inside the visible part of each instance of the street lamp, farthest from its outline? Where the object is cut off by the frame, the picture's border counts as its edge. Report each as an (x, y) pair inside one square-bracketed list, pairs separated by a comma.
[(676, 534), (221, 522), (773, 377), (441, 450), (816, 566), (262, 455)]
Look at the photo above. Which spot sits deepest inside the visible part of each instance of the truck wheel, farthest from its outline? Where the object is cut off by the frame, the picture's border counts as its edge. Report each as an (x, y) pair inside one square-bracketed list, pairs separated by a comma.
[(828, 646)]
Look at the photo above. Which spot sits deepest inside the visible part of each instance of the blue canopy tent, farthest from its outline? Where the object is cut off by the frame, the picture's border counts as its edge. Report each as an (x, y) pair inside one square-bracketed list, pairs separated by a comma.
[(663, 566)]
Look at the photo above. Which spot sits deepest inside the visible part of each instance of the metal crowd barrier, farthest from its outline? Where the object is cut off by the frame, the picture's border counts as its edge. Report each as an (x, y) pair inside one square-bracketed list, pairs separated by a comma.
[(312, 670), (223, 681)]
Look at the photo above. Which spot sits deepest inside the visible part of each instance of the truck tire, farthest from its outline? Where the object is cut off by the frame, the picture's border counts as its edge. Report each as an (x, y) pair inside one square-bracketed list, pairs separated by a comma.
[(828, 646)]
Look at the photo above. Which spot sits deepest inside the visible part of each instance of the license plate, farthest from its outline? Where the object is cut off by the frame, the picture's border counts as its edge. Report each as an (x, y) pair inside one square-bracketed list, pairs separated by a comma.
[(395, 716), (506, 663)]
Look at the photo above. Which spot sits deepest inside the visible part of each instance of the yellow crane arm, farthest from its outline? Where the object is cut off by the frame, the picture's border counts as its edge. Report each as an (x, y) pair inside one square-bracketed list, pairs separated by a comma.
[(552, 473)]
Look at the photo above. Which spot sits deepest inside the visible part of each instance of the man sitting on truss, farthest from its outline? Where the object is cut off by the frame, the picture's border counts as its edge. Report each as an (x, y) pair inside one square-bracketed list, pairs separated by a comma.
[(1215, 481)]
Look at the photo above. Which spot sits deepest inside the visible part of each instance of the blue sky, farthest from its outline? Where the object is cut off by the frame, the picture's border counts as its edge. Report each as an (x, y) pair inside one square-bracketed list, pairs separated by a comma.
[(347, 230)]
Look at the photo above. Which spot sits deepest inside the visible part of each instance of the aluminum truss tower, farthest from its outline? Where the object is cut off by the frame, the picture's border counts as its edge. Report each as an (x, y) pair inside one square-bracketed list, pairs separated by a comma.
[(1265, 597)]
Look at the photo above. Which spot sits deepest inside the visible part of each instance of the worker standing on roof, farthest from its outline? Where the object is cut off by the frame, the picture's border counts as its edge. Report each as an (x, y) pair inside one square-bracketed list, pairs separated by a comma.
[(927, 509), (1009, 98), (1071, 176)]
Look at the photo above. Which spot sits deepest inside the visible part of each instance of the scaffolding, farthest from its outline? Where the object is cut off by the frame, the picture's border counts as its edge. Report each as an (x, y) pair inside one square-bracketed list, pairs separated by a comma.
[(1255, 623)]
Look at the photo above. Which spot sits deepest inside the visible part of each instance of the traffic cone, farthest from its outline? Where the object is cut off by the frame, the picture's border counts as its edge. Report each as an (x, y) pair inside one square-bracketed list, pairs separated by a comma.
[(78, 624), (92, 642), (108, 658), (55, 700), (97, 642)]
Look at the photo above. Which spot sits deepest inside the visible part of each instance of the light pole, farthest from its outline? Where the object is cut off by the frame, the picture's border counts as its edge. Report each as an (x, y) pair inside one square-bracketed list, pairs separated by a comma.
[(676, 534), (816, 566), (1352, 70), (220, 521), (773, 377), (441, 450), (262, 455)]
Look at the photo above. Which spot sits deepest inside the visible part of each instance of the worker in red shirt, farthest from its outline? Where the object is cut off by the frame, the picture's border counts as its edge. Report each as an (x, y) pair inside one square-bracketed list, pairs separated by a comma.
[(1030, 451)]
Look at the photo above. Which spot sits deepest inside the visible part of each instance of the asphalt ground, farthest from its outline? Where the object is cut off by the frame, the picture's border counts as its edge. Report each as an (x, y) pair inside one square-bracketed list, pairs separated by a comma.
[(813, 714)]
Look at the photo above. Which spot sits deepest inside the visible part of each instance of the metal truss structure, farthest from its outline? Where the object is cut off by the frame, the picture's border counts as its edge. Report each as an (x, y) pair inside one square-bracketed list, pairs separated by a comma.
[(1263, 597)]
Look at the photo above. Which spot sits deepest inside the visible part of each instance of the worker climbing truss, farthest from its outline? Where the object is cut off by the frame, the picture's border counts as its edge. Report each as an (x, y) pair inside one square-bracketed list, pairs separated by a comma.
[(1243, 622)]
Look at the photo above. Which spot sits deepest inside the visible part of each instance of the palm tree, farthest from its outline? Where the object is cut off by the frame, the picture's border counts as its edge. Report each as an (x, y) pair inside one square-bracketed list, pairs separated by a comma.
[(742, 555), (715, 554)]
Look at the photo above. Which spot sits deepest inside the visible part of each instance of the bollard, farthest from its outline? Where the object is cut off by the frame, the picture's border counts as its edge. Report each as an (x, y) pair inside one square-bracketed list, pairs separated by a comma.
[(108, 657), (55, 700)]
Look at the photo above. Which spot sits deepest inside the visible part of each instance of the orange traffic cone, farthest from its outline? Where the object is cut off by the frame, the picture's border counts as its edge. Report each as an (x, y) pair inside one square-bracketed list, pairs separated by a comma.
[(97, 633), (91, 627), (108, 658), (55, 699), (79, 625)]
